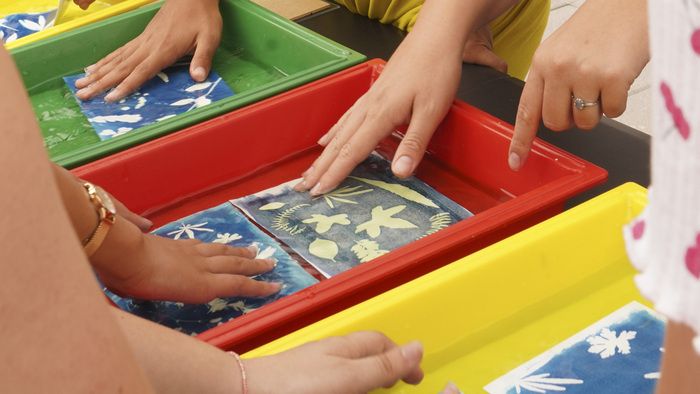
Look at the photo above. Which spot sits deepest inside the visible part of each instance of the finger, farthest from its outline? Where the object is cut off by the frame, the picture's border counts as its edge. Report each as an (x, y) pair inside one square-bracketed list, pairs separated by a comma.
[(482, 55), (235, 265), (323, 141), (241, 286), (413, 145), (613, 98), (98, 70), (218, 249), (360, 344), (331, 151), (109, 76), (351, 152), (586, 117), (140, 74), (556, 105), (203, 55), (141, 222), (386, 368), (526, 123)]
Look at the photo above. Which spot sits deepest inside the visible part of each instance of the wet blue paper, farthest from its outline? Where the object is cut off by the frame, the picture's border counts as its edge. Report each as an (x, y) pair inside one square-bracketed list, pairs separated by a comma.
[(170, 93), (365, 217), (620, 354), (16, 26), (222, 224)]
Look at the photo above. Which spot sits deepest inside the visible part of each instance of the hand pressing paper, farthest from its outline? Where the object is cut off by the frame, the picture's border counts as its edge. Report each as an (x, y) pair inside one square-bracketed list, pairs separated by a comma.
[(170, 93), (371, 213), (221, 224)]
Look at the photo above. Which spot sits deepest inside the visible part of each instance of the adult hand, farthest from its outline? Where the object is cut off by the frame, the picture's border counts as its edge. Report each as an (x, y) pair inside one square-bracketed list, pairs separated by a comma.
[(355, 363), (479, 50), (416, 88), (180, 27), (594, 56), (150, 267)]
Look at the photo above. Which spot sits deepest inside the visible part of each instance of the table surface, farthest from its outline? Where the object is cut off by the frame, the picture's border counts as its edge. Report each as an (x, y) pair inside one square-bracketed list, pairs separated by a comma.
[(620, 149)]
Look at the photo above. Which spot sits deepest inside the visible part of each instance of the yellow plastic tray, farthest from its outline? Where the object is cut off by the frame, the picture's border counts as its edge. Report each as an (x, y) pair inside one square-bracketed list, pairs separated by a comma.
[(487, 313), (74, 17)]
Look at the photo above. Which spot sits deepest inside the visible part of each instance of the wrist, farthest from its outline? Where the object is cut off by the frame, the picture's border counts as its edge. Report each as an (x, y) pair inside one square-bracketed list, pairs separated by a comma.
[(112, 260)]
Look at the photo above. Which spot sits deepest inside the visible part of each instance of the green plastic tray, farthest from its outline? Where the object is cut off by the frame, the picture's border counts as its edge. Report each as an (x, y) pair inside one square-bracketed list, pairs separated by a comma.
[(261, 54)]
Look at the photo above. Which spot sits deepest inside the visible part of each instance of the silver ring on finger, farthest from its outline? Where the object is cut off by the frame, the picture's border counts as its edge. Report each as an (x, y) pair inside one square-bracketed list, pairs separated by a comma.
[(581, 104)]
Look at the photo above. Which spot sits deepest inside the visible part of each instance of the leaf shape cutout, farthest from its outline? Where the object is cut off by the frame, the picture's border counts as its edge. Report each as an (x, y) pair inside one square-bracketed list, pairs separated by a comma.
[(199, 86), (266, 254), (30, 25), (272, 206), (182, 102), (384, 218), (400, 190), (324, 249), (324, 223), (367, 250)]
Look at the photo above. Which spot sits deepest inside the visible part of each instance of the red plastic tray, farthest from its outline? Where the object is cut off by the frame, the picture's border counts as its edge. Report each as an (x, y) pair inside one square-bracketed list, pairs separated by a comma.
[(273, 141)]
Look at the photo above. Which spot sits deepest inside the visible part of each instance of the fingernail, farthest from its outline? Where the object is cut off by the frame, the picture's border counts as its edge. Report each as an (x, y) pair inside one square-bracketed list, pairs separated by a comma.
[(311, 169), (403, 166), (277, 284), (301, 186), (254, 249), (323, 140), (317, 190), (199, 74), (452, 388), (112, 96), (412, 351), (272, 261), (89, 69), (514, 161)]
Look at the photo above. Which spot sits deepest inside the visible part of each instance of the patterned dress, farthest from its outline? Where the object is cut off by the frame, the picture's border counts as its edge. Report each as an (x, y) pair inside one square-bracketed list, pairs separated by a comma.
[(664, 242)]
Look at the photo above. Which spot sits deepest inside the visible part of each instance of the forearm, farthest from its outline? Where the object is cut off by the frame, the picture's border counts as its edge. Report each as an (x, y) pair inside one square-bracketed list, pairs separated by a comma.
[(177, 363), (680, 369), (448, 23), (44, 276)]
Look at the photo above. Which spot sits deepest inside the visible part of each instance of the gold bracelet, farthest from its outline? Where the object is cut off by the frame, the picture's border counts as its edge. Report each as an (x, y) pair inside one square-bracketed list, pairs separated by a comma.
[(244, 379)]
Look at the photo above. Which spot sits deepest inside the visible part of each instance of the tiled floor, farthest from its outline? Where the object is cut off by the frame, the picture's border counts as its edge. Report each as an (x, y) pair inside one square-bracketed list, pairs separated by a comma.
[(638, 102)]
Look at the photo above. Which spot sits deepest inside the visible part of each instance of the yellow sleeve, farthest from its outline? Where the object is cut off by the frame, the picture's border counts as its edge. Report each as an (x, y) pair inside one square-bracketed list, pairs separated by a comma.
[(517, 33)]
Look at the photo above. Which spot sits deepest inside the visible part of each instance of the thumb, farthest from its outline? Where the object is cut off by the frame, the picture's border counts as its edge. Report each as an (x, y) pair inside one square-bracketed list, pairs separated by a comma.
[(482, 55), (203, 55), (387, 368)]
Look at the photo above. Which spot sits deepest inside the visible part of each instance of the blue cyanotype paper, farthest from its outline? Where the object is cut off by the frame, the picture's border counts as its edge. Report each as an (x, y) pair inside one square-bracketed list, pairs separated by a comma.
[(221, 224), (369, 214), (170, 93), (619, 354), (16, 26)]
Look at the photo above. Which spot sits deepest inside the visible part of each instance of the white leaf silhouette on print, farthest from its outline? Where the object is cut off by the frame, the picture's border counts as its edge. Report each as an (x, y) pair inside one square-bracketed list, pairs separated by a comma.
[(11, 38), (266, 254), (654, 375), (163, 76), (112, 133), (183, 102), (200, 102), (542, 383), (226, 238), (39, 25), (116, 118), (217, 304), (367, 250), (199, 86), (608, 343), (324, 223), (189, 229), (384, 218)]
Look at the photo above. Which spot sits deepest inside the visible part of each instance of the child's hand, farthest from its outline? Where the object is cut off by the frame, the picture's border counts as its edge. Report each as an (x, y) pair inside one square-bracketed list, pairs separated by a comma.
[(356, 363), (179, 28), (479, 50), (416, 88), (150, 267)]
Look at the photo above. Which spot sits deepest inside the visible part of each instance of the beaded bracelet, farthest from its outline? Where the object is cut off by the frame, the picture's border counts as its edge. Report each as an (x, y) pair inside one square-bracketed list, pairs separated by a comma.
[(244, 380)]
